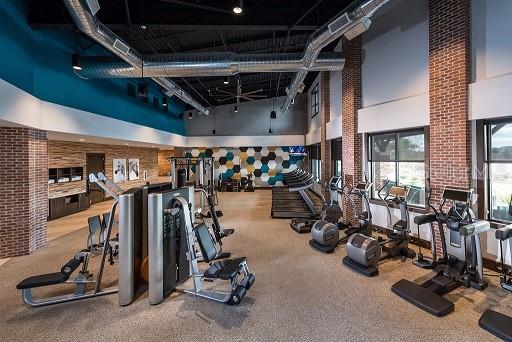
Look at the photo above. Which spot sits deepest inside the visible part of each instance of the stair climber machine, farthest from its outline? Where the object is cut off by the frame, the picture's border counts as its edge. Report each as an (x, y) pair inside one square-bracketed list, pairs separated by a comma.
[(173, 258), (326, 236), (331, 211), (365, 252), (462, 257), (498, 324)]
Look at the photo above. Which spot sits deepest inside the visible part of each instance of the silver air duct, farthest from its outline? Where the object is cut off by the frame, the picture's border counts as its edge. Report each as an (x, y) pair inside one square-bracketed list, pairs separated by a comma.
[(350, 24), (91, 26), (210, 64)]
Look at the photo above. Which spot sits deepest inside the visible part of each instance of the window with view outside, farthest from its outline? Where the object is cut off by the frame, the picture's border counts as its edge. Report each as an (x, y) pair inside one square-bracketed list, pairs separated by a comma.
[(315, 101), (400, 159), (499, 168)]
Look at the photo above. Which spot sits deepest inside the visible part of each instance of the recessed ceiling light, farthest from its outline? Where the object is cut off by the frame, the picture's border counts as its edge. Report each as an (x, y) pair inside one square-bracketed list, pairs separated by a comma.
[(143, 27), (226, 79)]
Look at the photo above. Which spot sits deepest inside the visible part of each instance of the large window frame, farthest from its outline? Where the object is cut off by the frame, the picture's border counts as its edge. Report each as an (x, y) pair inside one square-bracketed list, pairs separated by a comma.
[(418, 199), (336, 158), (315, 101), (490, 161), (315, 160)]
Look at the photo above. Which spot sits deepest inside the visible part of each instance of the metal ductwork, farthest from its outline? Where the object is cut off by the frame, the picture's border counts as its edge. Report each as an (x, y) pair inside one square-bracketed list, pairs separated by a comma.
[(349, 23), (209, 64), (91, 26)]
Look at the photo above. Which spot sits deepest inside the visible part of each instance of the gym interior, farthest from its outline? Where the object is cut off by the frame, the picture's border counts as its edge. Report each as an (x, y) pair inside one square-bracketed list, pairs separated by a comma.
[(256, 170)]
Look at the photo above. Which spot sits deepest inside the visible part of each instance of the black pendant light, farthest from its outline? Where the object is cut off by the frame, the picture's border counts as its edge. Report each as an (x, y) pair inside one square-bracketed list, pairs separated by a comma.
[(214, 131), (142, 89), (75, 61)]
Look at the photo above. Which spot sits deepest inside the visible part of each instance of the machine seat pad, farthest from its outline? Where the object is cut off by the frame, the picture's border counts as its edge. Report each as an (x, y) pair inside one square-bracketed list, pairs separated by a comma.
[(423, 298), (42, 280), (498, 324), (504, 233), (227, 232), (224, 269)]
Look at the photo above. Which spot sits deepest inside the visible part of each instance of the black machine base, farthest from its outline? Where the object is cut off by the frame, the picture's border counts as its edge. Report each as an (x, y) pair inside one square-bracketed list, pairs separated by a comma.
[(371, 271), (498, 324), (322, 248), (301, 225), (424, 263), (423, 298)]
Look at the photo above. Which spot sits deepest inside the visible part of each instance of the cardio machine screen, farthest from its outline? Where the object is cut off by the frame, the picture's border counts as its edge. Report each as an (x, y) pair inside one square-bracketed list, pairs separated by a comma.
[(361, 186), (456, 195)]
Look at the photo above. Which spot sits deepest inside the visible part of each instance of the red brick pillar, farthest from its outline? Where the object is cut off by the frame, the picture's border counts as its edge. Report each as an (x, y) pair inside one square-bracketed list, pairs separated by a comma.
[(24, 189), (351, 97), (449, 76), (325, 117)]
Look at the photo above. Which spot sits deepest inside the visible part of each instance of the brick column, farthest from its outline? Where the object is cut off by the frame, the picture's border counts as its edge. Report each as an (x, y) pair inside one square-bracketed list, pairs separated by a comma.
[(24, 189), (352, 102), (449, 76), (325, 117)]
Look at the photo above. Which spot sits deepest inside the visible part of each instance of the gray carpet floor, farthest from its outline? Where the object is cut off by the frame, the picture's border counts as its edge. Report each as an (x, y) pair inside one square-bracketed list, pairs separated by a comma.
[(299, 295)]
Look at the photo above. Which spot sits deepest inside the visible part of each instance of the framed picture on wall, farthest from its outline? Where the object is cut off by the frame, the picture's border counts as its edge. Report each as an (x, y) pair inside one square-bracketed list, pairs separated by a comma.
[(119, 170), (133, 169)]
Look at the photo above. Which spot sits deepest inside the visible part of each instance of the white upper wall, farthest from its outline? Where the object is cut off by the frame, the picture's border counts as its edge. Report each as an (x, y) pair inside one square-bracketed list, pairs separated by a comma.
[(334, 126), (395, 69), (491, 52), (395, 53)]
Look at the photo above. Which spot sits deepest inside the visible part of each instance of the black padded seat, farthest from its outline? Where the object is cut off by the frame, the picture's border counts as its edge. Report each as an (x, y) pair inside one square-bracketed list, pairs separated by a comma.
[(504, 233), (498, 324), (43, 280), (423, 298), (224, 269)]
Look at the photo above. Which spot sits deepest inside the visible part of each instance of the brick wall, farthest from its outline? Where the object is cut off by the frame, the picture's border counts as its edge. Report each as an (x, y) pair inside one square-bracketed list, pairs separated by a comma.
[(352, 101), (164, 167), (74, 154), (24, 189), (325, 113), (449, 76)]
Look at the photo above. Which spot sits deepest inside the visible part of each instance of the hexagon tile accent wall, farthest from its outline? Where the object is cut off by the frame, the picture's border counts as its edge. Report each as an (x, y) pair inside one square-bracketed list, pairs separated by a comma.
[(267, 164)]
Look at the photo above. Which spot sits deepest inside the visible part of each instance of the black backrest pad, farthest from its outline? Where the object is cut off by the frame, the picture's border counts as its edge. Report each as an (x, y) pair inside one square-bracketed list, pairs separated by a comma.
[(205, 242)]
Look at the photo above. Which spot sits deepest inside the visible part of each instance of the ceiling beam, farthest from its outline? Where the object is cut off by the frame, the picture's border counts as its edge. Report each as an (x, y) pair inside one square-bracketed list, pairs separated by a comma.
[(179, 27)]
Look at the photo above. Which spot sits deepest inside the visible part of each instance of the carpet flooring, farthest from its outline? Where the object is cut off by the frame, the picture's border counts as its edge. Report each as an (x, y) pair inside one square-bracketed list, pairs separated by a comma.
[(299, 295)]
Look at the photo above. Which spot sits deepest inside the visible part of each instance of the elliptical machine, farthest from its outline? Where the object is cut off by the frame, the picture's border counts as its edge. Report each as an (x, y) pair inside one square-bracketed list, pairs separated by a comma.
[(326, 235), (331, 211), (365, 252)]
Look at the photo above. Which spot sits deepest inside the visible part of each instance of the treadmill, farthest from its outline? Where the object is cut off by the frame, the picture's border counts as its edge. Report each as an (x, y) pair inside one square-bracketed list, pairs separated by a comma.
[(461, 264)]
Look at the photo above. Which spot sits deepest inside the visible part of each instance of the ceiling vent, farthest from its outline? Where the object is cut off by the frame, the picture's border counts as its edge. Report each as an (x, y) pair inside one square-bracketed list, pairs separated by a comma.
[(121, 47), (93, 5), (339, 23)]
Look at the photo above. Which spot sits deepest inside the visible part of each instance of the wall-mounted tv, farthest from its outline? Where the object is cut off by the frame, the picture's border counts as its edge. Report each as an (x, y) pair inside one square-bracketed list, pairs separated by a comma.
[(297, 150)]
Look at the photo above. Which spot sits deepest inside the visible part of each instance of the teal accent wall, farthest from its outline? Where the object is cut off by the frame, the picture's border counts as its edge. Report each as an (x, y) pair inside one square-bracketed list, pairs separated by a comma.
[(39, 62)]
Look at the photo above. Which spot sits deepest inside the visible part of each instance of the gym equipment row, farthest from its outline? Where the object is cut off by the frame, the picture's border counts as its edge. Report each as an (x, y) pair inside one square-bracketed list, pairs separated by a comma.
[(156, 242), (300, 197)]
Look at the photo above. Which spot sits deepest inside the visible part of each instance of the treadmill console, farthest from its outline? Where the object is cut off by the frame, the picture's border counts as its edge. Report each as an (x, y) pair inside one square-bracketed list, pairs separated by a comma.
[(457, 195), (333, 183), (361, 186)]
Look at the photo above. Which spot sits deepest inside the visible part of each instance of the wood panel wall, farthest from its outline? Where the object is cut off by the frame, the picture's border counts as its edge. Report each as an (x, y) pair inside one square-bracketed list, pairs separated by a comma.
[(73, 154)]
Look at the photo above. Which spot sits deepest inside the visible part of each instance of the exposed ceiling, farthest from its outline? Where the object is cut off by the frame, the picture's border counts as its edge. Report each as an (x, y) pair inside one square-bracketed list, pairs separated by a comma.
[(169, 26)]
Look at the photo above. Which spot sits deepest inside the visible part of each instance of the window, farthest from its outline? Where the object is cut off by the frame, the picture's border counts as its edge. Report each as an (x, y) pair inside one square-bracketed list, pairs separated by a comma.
[(400, 158), (336, 157), (315, 101), (499, 169), (315, 163)]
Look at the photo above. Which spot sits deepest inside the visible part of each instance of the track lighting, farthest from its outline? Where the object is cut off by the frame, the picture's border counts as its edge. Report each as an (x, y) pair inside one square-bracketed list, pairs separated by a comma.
[(164, 101), (238, 8), (226, 79), (273, 114), (236, 109), (75, 61), (142, 90), (190, 115)]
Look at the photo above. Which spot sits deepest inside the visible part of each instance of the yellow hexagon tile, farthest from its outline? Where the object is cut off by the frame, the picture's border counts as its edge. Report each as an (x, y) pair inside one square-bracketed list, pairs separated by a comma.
[(230, 164)]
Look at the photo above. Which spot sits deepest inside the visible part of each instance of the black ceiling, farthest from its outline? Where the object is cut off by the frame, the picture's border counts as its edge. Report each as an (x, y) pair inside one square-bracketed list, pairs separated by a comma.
[(266, 26)]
